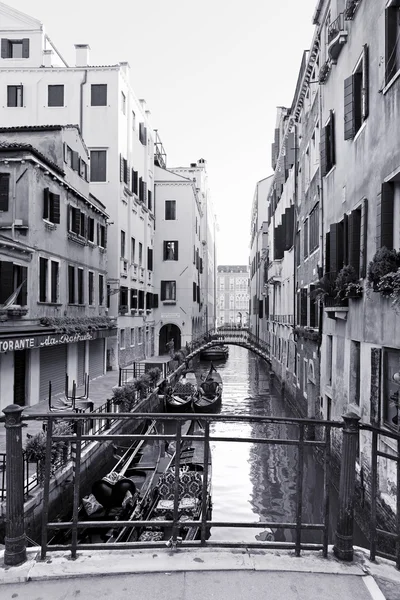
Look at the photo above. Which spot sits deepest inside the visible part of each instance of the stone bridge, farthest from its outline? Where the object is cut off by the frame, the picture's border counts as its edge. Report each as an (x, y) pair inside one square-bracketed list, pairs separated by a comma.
[(233, 337)]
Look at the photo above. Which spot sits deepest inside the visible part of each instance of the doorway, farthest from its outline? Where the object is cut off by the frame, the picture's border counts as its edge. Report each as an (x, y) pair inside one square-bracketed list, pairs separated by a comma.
[(20, 357), (167, 333)]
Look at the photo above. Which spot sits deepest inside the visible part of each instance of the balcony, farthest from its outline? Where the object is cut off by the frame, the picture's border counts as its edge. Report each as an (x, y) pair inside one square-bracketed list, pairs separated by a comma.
[(275, 272), (123, 267), (337, 37)]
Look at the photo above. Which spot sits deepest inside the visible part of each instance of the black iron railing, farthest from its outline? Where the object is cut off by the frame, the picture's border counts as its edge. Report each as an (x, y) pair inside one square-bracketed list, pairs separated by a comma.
[(335, 27)]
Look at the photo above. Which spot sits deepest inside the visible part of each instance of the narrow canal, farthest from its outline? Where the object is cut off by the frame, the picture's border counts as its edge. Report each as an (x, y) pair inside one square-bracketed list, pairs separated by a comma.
[(257, 482)]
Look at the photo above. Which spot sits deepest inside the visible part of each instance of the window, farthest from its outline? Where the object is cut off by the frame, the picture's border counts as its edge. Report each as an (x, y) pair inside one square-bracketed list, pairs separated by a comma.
[(122, 244), (83, 225), (142, 134), (391, 387), (133, 248), (4, 191), (15, 48), (303, 307), (149, 200), (171, 250), (140, 254), (55, 95), (170, 210), (81, 292), (328, 159), (150, 259), (48, 280), (123, 103), (314, 307), (51, 206), (98, 165), (140, 335), (314, 228), (298, 257), (355, 373), (101, 236), (305, 239), (99, 94), (123, 300), (141, 299), (101, 290), (132, 336), (392, 45), (122, 339), (124, 173), (15, 96), (354, 240), (71, 284), (356, 97), (133, 121), (135, 182), (168, 290), (194, 292), (387, 216), (134, 299), (83, 170), (90, 229), (75, 220), (91, 288)]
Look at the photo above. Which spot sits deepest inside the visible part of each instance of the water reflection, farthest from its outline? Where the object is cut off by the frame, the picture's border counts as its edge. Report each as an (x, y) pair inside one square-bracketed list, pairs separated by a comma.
[(252, 481)]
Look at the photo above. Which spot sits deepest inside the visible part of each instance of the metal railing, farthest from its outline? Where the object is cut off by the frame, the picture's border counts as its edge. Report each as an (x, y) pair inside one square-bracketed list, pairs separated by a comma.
[(203, 524), (335, 27)]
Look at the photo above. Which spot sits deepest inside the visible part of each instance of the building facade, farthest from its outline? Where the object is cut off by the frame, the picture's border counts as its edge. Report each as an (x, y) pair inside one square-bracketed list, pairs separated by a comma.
[(259, 259), (179, 261), (40, 88), (233, 298), (53, 266)]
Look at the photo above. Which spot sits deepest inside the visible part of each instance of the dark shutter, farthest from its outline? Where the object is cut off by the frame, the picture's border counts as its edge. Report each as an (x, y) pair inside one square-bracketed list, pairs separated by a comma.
[(5, 48), (121, 168), (194, 292), (43, 263), (105, 236), (176, 246), (349, 109), (144, 199), (155, 300), (65, 146), (313, 308), (198, 293), (149, 259), (354, 240), (365, 83), (363, 238), (332, 150), (346, 238), (54, 281), (149, 304), (140, 189), (149, 200), (387, 215), (46, 203), (322, 146), (163, 289), (75, 161), (55, 208), (25, 48), (375, 391), (7, 280), (290, 150), (260, 309), (22, 299), (4, 191), (303, 307), (333, 248), (77, 220)]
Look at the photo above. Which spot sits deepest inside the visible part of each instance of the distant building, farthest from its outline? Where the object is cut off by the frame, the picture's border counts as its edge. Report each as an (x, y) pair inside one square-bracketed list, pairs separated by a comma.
[(233, 295), (53, 251), (259, 259), (40, 88)]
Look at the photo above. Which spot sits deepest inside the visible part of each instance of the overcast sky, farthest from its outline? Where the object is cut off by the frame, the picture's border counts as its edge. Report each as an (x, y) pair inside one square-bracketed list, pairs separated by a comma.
[(212, 73)]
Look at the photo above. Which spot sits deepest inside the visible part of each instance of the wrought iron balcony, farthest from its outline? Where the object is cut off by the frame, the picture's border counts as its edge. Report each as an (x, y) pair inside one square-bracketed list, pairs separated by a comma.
[(337, 37)]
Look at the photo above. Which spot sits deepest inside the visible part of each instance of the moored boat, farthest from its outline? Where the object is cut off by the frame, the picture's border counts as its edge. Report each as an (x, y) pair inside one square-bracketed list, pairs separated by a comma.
[(179, 400), (219, 352), (209, 396)]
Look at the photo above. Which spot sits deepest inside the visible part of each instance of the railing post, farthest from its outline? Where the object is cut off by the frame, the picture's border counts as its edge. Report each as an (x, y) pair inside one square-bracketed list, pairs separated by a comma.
[(343, 548), (15, 541)]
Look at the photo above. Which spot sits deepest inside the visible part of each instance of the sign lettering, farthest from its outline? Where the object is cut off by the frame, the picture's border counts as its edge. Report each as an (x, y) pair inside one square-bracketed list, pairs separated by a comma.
[(10, 345)]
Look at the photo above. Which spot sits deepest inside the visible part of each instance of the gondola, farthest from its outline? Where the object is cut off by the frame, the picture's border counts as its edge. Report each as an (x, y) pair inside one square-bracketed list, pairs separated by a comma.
[(219, 352), (179, 400), (209, 396), (190, 494)]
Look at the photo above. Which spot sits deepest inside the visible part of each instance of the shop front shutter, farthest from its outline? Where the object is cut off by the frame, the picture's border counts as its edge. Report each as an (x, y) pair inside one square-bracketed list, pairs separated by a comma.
[(53, 367), (81, 363), (96, 358)]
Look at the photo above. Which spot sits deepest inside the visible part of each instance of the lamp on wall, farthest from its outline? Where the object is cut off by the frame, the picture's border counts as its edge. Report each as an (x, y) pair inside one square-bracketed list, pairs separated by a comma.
[(396, 378)]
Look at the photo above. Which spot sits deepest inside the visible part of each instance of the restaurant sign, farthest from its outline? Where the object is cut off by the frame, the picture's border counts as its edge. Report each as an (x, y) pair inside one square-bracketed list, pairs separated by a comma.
[(42, 341)]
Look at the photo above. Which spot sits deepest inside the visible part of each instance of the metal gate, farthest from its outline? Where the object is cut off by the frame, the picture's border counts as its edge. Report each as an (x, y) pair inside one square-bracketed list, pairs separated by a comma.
[(81, 362), (96, 358), (53, 367)]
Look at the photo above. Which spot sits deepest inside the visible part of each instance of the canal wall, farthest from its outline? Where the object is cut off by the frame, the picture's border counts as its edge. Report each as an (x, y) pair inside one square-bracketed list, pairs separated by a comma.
[(94, 460), (386, 517)]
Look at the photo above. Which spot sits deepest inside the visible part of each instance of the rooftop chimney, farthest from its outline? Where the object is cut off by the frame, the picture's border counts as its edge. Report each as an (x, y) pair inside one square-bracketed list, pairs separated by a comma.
[(47, 58), (82, 55)]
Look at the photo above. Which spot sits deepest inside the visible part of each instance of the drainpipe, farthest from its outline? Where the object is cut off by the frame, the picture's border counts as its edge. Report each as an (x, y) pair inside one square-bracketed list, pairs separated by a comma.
[(295, 227), (83, 83)]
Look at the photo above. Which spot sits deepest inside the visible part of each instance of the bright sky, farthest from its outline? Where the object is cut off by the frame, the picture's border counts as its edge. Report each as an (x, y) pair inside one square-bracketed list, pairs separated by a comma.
[(212, 73)]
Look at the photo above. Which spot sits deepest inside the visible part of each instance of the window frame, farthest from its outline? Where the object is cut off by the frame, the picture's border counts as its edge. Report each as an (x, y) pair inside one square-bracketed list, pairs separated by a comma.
[(91, 292), (175, 251), (103, 152), (52, 87), (172, 205), (17, 88), (97, 86), (169, 296), (100, 283)]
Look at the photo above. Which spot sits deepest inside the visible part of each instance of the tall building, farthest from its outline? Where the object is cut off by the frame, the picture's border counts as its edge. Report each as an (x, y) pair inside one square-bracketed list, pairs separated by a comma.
[(53, 265), (40, 88), (233, 295), (259, 259)]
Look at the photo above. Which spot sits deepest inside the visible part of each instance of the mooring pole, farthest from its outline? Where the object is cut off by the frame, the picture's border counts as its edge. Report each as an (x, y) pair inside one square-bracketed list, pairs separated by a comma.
[(15, 541), (343, 548)]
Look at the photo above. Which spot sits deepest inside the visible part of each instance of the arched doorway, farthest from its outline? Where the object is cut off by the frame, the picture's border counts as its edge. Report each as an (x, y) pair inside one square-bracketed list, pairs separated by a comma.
[(167, 333)]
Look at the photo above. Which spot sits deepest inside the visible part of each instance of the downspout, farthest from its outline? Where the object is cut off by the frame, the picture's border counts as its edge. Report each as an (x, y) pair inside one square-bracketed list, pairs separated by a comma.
[(83, 82), (295, 228)]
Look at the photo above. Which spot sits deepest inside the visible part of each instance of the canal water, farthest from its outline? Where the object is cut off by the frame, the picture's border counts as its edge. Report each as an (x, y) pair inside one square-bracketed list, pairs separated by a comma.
[(253, 482)]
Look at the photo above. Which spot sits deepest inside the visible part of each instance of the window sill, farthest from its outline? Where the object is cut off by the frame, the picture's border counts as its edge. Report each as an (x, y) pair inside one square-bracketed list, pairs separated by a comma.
[(387, 87), (91, 244), (15, 106), (168, 302), (359, 132), (330, 171), (63, 106), (73, 237), (49, 225), (40, 303), (76, 304)]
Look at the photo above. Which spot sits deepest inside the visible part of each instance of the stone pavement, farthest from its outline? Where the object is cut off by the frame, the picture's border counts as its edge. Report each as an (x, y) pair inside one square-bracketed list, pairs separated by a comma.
[(100, 390), (201, 573)]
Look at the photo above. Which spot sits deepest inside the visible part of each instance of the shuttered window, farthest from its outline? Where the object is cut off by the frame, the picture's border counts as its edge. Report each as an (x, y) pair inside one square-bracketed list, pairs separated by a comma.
[(155, 300), (48, 280), (90, 229), (314, 307), (356, 101), (298, 257), (336, 251), (134, 299), (55, 95), (363, 238), (354, 240), (91, 288), (123, 244), (385, 216), (71, 284), (149, 300), (314, 228), (392, 46), (327, 145), (303, 307), (194, 292), (135, 182), (142, 134), (305, 238), (98, 165), (15, 48), (123, 169), (51, 206), (101, 236), (15, 96), (150, 259), (4, 191), (43, 266), (140, 253), (99, 94), (81, 289), (101, 290), (141, 299), (149, 200)]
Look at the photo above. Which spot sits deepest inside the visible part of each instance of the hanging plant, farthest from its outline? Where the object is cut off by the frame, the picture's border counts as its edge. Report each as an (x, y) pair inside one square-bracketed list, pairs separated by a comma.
[(384, 262), (389, 287)]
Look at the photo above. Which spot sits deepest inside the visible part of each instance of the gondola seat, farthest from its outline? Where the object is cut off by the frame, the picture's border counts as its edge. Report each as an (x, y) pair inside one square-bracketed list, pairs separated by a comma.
[(190, 487)]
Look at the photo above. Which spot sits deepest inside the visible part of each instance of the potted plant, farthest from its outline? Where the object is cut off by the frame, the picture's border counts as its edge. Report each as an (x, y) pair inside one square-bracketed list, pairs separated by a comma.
[(154, 376), (384, 261), (347, 285), (325, 289), (35, 450), (142, 385), (60, 450), (389, 287)]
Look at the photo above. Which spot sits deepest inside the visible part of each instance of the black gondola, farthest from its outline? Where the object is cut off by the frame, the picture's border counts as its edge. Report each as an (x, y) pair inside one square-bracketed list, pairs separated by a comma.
[(209, 396)]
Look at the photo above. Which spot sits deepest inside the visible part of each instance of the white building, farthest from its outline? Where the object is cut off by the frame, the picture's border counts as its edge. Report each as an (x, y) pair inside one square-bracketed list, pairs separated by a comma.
[(233, 295), (39, 88), (259, 259), (178, 253)]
